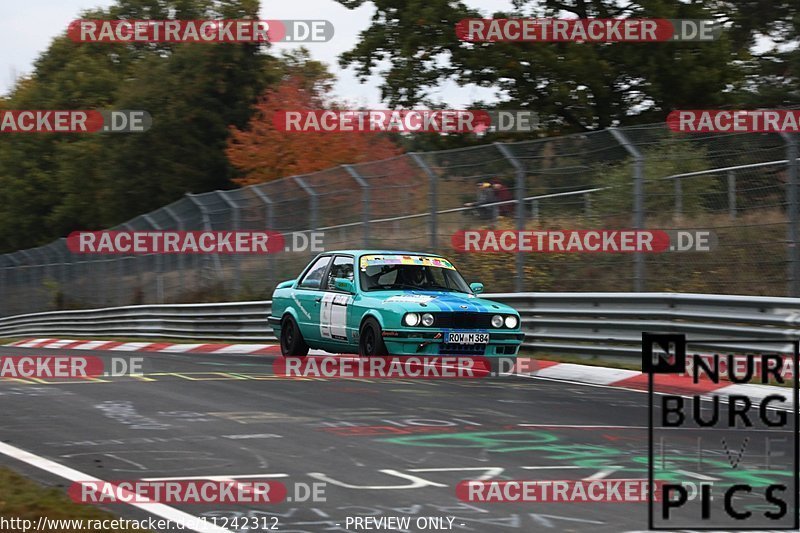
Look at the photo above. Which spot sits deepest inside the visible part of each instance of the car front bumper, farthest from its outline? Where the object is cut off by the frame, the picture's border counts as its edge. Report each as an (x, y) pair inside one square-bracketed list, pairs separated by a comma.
[(431, 342)]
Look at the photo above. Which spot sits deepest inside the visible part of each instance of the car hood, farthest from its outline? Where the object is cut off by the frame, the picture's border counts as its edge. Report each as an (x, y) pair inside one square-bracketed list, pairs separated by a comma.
[(421, 301)]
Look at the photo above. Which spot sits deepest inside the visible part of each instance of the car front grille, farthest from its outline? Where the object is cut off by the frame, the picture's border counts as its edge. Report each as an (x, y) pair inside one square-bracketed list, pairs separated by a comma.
[(466, 320)]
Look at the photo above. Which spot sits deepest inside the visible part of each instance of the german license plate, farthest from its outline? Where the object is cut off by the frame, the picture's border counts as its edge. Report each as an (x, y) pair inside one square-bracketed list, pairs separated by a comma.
[(457, 337)]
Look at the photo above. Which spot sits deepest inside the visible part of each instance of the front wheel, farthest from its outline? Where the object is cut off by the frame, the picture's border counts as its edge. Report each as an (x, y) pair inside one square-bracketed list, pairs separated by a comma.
[(292, 342), (370, 340)]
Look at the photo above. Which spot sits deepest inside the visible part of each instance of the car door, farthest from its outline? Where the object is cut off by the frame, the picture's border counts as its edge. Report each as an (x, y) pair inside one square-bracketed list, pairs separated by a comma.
[(308, 297), (336, 305)]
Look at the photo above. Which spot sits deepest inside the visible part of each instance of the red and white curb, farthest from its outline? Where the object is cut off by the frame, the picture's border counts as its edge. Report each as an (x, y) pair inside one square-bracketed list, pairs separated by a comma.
[(635, 380), (586, 374), (155, 347)]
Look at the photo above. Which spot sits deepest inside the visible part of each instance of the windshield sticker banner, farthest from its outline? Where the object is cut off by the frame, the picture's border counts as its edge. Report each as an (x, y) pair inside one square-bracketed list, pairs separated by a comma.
[(421, 260)]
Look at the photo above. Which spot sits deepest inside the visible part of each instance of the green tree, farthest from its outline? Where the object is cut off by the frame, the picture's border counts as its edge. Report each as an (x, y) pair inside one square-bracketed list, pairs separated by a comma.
[(51, 184), (574, 86)]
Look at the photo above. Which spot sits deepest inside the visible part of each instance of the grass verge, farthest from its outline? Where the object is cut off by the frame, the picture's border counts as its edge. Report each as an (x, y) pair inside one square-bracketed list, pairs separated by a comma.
[(24, 499)]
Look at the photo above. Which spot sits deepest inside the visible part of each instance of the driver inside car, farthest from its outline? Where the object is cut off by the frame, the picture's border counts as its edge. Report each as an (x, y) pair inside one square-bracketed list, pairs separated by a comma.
[(411, 275)]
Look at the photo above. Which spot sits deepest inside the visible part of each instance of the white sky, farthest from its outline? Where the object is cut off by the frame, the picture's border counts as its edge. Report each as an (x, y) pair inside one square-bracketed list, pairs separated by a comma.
[(28, 26)]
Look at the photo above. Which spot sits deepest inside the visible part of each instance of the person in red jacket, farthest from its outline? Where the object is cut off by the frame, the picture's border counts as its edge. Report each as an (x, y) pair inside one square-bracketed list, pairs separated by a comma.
[(503, 194)]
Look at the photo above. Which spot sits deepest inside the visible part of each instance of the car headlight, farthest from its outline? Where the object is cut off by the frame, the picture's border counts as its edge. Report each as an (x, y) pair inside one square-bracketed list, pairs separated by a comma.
[(511, 321), (497, 321), (411, 319), (427, 319)]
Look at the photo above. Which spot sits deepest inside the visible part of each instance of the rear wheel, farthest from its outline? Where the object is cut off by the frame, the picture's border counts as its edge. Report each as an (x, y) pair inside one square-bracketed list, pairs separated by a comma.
[(292, 342), (370, 339)]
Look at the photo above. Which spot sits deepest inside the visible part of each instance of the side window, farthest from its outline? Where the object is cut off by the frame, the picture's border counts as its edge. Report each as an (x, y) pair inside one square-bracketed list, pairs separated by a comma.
[(342, 268), (313, 278)]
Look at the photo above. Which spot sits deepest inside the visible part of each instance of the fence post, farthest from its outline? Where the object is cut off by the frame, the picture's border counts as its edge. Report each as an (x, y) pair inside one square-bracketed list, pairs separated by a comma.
[(638, 204), (433, 198), (587, 206), (793, 268), (732, 194), (65, 256), (365, 201), (207, 226), (181, 227), (312, 198), (269, 218), (678, 198), (159, 263), (520, 197), (7, 309), (237, 258), (3, 291)]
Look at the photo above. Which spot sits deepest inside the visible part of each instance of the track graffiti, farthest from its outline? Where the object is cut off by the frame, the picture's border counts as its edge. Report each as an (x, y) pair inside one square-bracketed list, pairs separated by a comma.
[(672, 466)]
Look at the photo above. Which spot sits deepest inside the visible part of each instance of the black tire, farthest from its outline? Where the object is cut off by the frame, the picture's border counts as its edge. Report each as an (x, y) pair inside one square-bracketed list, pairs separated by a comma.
[(370, 340), (292, 342)]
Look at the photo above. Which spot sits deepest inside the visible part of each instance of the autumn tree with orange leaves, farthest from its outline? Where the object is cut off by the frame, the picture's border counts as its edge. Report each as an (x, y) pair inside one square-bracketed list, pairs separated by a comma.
[(263, 153)]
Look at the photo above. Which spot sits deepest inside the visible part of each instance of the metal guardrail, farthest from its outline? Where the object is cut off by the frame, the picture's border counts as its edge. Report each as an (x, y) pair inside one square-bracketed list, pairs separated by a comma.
[(605, 324)]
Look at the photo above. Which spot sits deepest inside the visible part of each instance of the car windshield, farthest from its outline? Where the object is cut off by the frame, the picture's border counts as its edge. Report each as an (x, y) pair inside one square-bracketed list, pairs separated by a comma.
[(400, 272)]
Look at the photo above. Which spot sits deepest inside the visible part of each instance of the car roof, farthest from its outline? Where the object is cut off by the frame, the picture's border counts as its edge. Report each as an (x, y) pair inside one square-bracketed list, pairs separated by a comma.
[(379, 252)]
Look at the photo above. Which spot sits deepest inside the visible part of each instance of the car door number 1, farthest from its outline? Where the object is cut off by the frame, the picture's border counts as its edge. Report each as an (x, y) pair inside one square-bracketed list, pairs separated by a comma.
[(333, 316)]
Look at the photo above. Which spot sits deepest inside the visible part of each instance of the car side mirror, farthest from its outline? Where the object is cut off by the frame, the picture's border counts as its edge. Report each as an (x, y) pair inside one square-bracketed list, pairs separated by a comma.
[(344, 284), (477, 288)]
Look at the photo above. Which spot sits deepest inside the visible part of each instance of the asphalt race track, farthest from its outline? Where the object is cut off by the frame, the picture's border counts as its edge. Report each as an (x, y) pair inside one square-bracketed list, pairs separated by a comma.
[(381, 447)]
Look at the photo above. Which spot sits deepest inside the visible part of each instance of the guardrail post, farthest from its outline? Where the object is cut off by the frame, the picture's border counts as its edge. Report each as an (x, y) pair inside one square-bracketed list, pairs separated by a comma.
[(793, 268), (732, 194), (159, 263), (269, 217), (312, 199), (237, 259), (520, 197), (433, 198), (638, 203), (365, 201)]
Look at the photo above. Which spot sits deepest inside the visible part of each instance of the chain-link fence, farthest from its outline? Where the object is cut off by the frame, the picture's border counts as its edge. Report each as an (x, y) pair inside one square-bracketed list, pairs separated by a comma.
[(742, 187)]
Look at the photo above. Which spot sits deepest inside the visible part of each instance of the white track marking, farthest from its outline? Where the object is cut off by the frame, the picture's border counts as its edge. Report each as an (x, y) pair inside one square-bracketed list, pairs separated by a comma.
[(242, 348), (157, 509), (180, 348), (586, 373), (58, 344), (131, 347), (33, 343), (91, 345)]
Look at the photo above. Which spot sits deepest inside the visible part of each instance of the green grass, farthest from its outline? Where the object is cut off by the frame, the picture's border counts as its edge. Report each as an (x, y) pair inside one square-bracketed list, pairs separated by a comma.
[(24, 499)]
